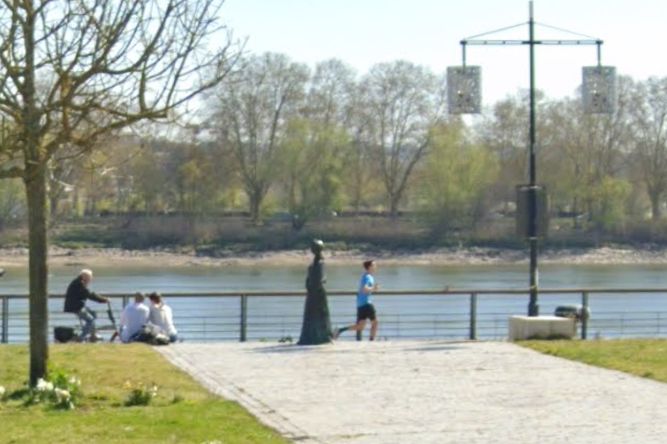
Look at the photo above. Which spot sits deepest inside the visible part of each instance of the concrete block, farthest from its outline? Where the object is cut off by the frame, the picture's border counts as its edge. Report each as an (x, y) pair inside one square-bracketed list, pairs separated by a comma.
[(541, 327)]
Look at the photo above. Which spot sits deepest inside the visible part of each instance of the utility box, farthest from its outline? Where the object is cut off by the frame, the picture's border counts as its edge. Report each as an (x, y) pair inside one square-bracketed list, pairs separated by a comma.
[(523, 194), (541, 327)]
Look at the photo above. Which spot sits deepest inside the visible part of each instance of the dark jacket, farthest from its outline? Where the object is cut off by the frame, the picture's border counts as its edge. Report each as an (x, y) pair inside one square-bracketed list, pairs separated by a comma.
[(76, 296)]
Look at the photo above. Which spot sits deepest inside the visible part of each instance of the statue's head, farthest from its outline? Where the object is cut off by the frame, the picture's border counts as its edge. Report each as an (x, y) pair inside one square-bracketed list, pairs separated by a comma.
[(316, 246)]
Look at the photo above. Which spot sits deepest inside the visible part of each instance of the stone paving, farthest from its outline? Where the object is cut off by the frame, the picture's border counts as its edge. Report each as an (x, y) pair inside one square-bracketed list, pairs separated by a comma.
[(428, 392)]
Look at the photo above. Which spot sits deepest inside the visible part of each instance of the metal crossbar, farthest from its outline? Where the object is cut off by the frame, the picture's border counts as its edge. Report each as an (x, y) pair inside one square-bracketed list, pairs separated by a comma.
[(468, 314)]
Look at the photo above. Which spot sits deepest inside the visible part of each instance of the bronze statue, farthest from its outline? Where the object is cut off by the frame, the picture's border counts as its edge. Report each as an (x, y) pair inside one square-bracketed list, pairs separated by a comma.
[(316, 328)]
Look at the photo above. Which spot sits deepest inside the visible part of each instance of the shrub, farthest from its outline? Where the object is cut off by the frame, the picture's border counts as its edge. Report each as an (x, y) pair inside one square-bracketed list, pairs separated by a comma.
[(140, 395), (60, 391)]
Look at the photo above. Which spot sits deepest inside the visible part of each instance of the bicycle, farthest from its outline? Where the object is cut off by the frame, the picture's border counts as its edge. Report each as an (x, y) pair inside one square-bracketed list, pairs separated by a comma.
[(71, 334)]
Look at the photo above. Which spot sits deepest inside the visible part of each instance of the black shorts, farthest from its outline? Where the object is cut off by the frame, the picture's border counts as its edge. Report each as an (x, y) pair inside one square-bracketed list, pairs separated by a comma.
[(366, 312)]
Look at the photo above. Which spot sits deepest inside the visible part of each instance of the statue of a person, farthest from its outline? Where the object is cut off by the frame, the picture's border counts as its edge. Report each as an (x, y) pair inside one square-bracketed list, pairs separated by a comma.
[(316, 328)]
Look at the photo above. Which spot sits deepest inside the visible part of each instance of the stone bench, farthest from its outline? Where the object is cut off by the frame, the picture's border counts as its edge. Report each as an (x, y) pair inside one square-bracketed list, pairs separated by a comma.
[(541, 327)]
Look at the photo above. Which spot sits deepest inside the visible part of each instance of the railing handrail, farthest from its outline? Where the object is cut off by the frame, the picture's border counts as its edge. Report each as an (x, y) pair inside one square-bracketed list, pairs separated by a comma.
[(244, 295), (407, 292)]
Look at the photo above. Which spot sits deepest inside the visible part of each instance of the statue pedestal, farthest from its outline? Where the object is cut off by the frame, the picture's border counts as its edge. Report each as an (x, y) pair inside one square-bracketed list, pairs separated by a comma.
[(541, 327)]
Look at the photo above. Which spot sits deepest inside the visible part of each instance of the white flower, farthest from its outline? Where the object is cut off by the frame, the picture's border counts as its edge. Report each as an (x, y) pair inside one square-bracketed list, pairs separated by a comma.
[(2, 391), (153, 391), (44, 386), (62, 395), (41, 385), (74, 381)]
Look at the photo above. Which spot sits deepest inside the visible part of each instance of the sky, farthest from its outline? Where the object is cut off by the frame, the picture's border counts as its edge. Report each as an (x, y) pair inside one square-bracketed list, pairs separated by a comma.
[(362, 33)]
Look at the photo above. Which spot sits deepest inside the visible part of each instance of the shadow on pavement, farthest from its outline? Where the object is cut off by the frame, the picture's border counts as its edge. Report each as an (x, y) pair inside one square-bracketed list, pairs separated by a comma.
[(331, 348), (291, 348)]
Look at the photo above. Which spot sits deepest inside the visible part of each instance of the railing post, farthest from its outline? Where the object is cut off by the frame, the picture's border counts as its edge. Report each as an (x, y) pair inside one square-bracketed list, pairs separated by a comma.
[(244, 317), (5, 319), (126, 300), (584, 315), (658, 332), (473, 316)]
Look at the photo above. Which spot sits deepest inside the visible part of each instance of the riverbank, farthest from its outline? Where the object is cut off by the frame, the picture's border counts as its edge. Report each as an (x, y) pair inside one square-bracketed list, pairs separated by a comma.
[(109, 257)]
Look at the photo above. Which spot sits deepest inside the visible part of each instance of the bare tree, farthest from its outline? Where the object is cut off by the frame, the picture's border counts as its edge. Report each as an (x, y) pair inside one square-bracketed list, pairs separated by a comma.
[(358, 162), (505, 132), (331, 93), (402, 102), (580, 152), (254, 106), (649, 118), (103, 65)]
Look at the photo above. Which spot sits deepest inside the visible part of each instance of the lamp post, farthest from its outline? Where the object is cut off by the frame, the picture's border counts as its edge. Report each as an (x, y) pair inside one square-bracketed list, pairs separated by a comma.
[(464, 96)]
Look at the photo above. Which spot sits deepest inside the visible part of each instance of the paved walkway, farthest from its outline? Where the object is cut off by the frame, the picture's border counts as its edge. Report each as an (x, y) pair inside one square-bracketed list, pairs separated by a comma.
[(428, 392)]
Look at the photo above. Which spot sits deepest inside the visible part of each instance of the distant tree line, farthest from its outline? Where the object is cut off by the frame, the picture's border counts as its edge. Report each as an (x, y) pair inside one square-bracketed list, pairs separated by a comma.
[(278, 137)]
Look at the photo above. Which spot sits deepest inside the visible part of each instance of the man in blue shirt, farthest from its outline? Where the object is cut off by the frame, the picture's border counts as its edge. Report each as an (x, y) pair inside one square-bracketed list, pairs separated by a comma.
[(365, 308)]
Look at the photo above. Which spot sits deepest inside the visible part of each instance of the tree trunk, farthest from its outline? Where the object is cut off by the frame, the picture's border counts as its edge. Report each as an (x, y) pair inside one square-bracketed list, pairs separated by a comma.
[(54, 198), (656, 211), (357, 193), (35, 183), (255, 204), (574, 210), (393, 205), (75, 203)]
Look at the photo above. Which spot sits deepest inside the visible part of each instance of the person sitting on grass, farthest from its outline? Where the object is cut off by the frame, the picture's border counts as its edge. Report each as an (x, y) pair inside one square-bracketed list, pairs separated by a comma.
[(75, 302), (133, 319), (162, 316)]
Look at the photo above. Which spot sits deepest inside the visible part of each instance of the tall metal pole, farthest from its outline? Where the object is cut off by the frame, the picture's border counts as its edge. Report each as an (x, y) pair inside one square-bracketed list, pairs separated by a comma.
[(533, 308), (533, 189)]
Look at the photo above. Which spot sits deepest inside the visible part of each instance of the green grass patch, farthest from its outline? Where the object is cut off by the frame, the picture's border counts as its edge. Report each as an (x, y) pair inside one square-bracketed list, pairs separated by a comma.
[(181, 412), (641, 357)]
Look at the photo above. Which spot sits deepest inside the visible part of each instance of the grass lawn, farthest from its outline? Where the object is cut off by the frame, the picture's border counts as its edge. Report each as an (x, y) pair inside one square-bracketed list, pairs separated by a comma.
[(181, 412), (641, 357)]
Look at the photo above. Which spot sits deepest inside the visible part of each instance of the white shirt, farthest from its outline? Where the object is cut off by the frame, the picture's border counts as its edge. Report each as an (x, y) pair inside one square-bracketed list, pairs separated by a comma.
[(161, 316), (134, 316)]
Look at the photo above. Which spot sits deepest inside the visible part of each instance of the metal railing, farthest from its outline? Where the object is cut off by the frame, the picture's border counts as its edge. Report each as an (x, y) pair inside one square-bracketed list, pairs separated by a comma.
[(452, 313)]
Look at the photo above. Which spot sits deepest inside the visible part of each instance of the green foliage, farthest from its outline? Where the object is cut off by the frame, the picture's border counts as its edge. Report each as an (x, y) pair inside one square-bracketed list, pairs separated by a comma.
[(60, 391), (149, 178), (609, 203), (12, 202), (455, 179), (140, 394), (314, 168)]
